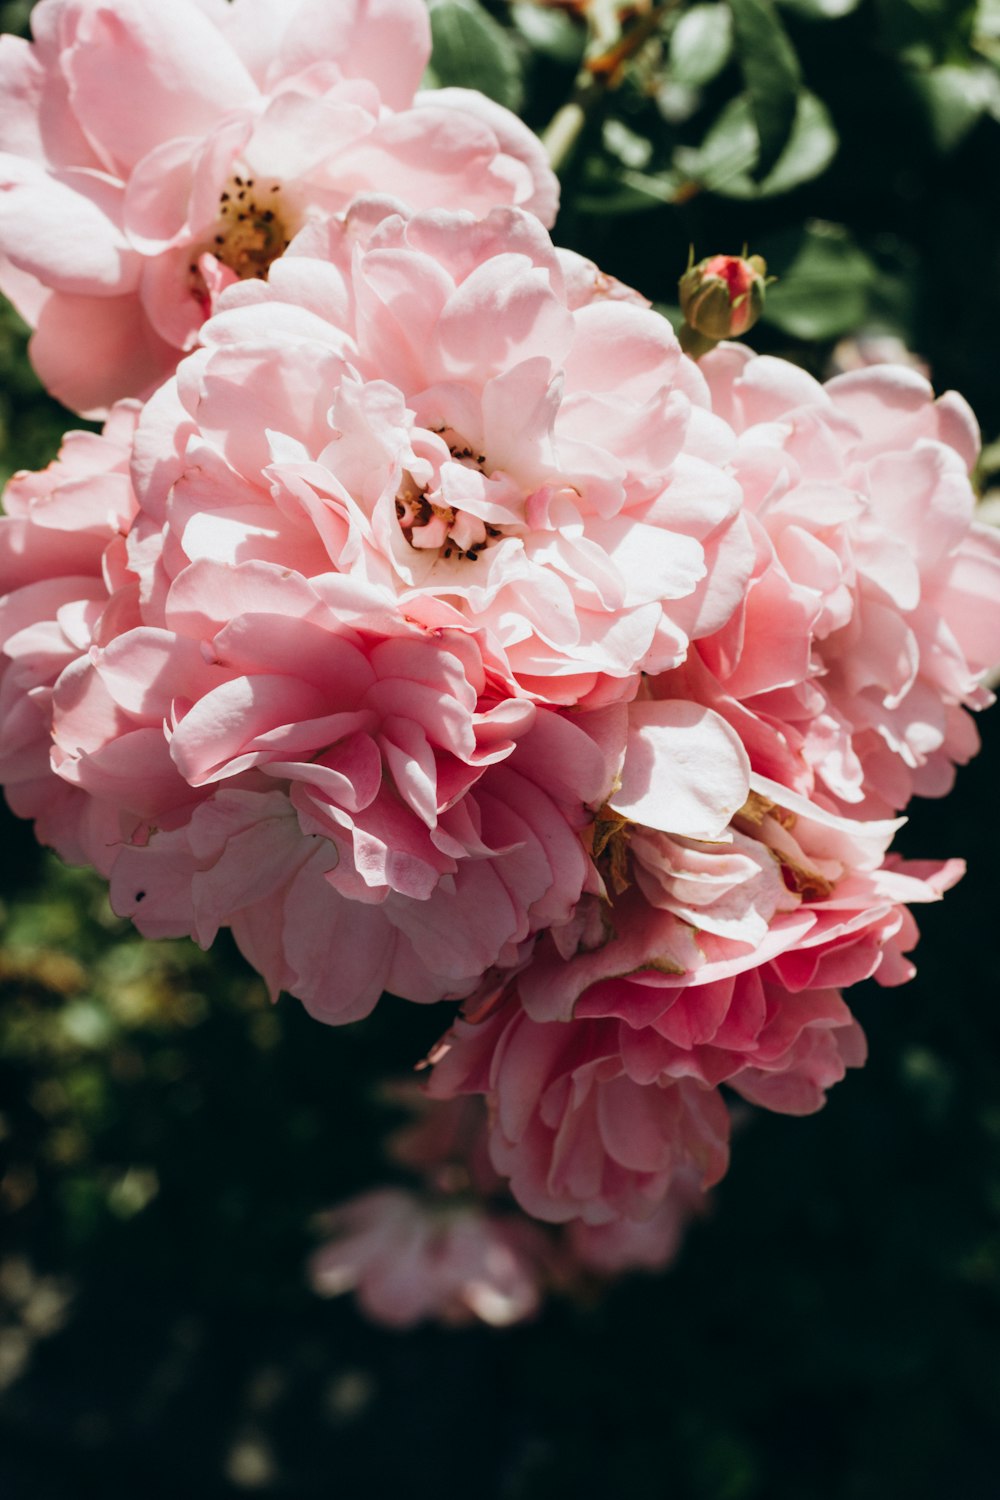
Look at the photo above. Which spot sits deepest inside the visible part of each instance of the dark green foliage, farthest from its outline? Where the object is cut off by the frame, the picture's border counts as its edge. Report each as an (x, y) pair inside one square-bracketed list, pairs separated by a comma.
[(472, 51), (771, 76)]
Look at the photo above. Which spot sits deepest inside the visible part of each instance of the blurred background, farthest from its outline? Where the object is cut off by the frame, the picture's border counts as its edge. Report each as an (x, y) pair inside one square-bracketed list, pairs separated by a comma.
[(832, 1330)]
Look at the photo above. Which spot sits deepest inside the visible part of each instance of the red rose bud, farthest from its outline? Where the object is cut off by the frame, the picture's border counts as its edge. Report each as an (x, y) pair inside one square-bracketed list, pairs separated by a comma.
[(721, 298)]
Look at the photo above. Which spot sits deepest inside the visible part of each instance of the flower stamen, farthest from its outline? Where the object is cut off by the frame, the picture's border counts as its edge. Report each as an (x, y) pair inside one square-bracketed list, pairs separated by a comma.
[(251, 231), (427, 524)]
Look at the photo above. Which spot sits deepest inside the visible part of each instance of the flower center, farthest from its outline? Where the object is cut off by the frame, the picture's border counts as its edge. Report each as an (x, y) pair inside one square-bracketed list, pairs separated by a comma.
[(428, 523), (252, 229)]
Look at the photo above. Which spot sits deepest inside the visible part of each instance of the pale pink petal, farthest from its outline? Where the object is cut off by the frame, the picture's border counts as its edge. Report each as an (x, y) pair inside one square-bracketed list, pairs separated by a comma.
[(124, 355), (174, 75), (685, 770)]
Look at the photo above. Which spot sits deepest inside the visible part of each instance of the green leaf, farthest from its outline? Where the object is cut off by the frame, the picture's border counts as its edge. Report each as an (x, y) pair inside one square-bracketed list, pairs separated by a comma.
[(614, 189), (605, 19), (820, 10), (550, 32), (471, 50), (630, 148), (986, 29), (700, 44), (725, 160), (954, 98), (824, 281), (728, 152), (771, 73), (987, 20)]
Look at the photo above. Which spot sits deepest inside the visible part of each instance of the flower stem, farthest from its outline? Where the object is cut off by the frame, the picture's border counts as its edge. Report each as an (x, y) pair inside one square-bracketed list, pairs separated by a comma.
[(596, 77), (561, 134)]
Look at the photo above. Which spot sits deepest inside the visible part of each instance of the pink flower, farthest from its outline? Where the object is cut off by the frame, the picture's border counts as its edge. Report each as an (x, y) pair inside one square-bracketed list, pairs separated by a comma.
[(64, 584), (408, 1260), (799, 895), (573, 1132), (723, 963), (873, 609), (452, 413), (357, 796), (353, 794), (638, 1244), (862, 350), (151, 154), (325, 734), (456, 1247)]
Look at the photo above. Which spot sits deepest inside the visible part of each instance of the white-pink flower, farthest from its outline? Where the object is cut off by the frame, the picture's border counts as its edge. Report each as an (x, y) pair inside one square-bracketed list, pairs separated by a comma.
[(64, 585), (574, 1133), (351, 793), (873, 611), (152, 153), (453, 413), (722, 963), (793, 892), (319, 733)]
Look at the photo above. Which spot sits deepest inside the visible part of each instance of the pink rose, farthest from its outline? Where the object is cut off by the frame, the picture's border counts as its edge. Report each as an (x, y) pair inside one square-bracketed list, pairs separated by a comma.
[(639, 1244), (433, 407), (64, 584), (408, 1259), (706, 963), (353, 794), (327, 730), (873, 610), (151, 154), (800, 894), (575, 1134)]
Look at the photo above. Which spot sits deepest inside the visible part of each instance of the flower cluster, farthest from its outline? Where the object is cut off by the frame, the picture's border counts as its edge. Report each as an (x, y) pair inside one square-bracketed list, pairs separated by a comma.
[(151, 155), (427, 618)]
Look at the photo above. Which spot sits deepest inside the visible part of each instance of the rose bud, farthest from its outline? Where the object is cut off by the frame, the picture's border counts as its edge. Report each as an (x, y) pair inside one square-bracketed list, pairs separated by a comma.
[(721, 298)]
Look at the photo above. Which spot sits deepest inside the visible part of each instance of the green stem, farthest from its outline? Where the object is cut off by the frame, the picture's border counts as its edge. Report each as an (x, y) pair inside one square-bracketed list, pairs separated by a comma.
[(598, 75), (561, 134)]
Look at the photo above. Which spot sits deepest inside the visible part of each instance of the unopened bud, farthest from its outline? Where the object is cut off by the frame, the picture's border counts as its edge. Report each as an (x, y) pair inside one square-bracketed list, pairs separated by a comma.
[(722, 297)]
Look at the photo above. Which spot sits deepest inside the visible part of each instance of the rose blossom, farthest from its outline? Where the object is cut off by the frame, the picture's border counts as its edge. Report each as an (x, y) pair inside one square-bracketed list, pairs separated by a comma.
[(455, 414), (152, 153), (64, 584), (870, 347), (438, 1251), (351, 793), (408, 1260), (354, 795), (651, 1244), (873, 610), (575, 1135), (721, 963), (310, 729), (792, 884)]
